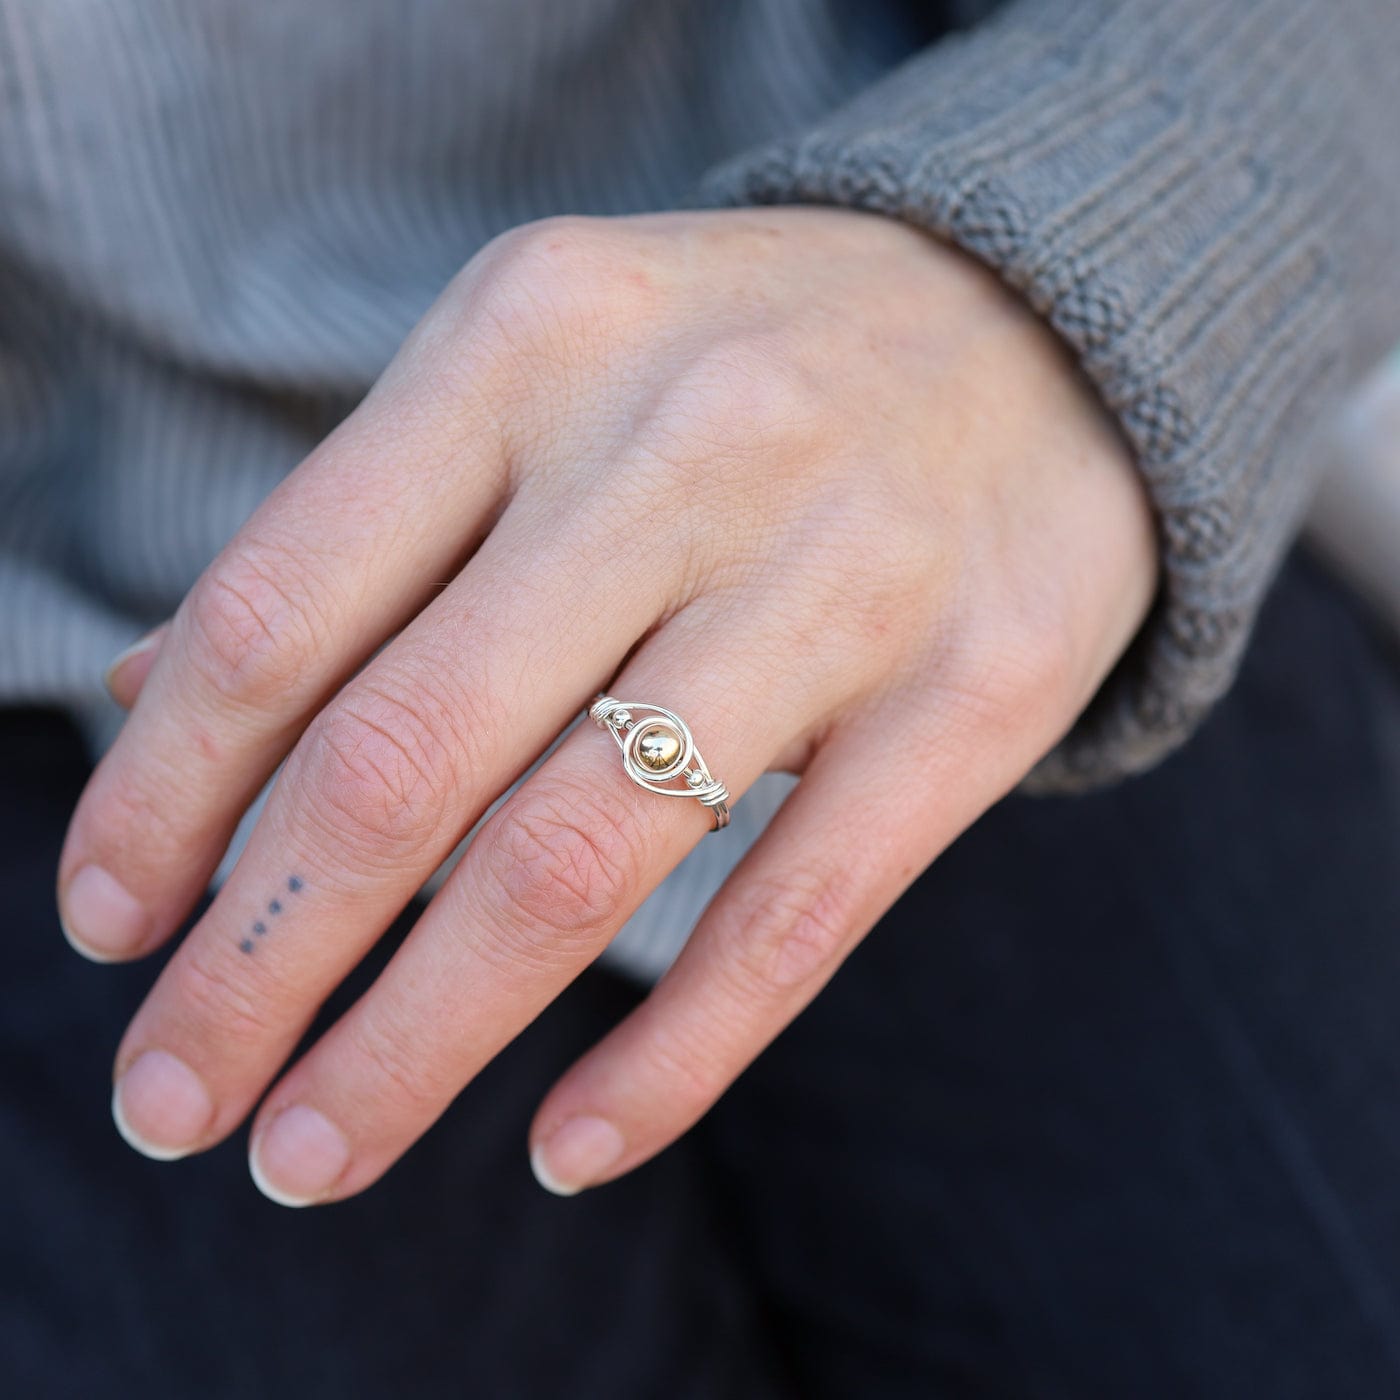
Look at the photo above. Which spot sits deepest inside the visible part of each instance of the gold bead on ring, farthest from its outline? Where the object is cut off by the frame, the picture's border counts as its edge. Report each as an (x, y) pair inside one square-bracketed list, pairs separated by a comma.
[(657, 745)]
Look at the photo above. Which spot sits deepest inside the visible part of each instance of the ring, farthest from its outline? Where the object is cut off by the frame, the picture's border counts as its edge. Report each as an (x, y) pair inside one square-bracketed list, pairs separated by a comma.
[(657, 744)]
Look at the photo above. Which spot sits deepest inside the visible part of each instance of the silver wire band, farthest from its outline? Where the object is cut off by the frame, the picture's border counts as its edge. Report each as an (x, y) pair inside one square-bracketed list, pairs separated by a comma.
[(656, 745)]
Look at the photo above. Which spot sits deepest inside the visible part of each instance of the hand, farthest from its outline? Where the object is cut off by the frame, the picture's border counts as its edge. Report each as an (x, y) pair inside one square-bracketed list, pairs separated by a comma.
[(808, 477)]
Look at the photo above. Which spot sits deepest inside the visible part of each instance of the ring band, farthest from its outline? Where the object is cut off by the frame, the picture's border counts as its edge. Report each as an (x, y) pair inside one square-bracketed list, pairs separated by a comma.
[(657, 744)]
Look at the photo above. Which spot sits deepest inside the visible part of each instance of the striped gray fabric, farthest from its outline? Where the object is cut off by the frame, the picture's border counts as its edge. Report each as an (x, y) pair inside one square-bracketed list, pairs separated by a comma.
[(217, 221)]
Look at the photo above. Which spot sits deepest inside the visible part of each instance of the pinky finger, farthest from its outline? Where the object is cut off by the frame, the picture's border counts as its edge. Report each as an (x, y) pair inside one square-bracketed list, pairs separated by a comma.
[(854, 833)]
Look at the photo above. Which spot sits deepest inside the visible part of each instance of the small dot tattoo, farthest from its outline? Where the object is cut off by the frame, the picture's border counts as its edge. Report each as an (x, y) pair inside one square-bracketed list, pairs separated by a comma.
[(274, 906)]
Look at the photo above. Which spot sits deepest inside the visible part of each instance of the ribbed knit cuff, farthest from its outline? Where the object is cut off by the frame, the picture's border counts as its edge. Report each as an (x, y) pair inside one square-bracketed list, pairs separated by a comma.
[(1188, 193)]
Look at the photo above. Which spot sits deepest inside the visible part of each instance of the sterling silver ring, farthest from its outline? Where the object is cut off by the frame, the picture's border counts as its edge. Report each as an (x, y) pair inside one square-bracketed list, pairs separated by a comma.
[(656, 745)]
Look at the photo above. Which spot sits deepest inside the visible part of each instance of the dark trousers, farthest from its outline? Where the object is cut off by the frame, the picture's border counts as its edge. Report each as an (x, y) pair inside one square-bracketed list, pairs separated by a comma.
[(1107, 1106)]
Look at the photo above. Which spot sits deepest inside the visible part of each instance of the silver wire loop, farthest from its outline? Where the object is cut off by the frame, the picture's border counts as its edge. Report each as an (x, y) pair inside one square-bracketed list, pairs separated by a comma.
[(657, 745)]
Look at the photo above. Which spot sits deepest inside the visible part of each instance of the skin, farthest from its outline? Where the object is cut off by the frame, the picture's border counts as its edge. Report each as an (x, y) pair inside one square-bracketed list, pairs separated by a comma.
[(808, 477)]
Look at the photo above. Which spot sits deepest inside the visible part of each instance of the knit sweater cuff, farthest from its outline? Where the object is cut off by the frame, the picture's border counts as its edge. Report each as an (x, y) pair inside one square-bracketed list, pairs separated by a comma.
[(1179, 189)]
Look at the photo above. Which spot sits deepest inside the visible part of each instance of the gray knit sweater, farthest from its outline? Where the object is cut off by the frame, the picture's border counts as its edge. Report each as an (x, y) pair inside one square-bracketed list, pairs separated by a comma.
[(218, 218)]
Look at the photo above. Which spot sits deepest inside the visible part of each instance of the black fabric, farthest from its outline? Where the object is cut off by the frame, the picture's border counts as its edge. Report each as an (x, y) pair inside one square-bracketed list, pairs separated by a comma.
[(1107, 1106)]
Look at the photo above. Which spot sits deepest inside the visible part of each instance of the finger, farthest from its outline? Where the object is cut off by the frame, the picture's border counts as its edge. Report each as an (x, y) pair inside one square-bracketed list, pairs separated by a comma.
[(541, 889), (127, 671), (338, 557), (848, 840), (379, 790)]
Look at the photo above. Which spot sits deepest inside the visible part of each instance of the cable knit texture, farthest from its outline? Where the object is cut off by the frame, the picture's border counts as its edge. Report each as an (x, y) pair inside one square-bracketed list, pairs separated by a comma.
[(1203, 199)]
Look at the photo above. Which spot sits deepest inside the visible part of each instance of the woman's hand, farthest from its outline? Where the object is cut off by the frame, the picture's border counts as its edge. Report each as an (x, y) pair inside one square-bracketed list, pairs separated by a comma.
[(809, 478)]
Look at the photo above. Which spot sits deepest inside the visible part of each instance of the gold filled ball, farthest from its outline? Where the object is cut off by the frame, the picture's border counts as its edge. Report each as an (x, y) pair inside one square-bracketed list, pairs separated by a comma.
[(657, 748)]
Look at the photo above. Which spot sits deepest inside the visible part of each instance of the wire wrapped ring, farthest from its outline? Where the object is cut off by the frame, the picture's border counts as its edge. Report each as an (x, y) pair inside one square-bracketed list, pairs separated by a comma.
[(656, 745)]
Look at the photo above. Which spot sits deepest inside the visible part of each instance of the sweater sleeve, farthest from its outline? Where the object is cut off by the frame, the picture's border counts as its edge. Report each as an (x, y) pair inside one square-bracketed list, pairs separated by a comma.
[(1203, 198)]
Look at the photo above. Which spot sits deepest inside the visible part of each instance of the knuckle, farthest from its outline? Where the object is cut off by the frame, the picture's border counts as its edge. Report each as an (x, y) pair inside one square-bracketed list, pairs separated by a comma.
[(561, 863), (224, 1005), (1005, 680), (555, 243), (1027, 622), (690, 1065), (869, 605), (741, 397), (787, 933), (383, 768), (546, 284), (1047, 665), (128, 815), (249, 631), (396, 1065)]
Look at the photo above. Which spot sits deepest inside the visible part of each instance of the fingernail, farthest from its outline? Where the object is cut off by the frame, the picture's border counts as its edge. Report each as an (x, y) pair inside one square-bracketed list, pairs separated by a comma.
[(576, 1155), (100, 917), (298, 1157), (160, 1106), (142, 646)]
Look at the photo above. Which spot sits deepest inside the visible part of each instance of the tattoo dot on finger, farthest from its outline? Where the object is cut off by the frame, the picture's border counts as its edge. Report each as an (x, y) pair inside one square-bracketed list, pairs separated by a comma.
[(275, 907), (294, 883), (247, 945)]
